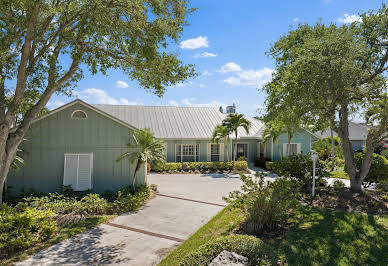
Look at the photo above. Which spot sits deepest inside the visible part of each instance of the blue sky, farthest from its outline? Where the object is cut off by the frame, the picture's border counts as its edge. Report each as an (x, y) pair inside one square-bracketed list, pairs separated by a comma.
[(227, 41)]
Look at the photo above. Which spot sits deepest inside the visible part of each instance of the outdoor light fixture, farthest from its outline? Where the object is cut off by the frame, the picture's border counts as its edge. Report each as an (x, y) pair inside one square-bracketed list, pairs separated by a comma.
[(314, 157)]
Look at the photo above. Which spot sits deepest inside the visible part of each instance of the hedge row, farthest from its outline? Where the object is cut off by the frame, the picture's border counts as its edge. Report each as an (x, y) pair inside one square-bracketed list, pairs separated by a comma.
[(200, 166)]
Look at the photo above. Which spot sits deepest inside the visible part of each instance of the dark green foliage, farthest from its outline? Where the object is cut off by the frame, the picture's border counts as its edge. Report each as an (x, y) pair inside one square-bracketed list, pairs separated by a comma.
[(123, 200), (267, 204), (127, 200), (338, 184), (378, 172), (300, 167), (247, 246), (23, 227), (200, 166)]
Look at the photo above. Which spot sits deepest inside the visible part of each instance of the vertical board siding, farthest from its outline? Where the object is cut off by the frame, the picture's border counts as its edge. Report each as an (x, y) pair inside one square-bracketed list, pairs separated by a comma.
[(49, 139), (302, 137)]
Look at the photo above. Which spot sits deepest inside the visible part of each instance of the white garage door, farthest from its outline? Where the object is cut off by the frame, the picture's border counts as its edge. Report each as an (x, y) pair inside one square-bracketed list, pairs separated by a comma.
[(78, 171)]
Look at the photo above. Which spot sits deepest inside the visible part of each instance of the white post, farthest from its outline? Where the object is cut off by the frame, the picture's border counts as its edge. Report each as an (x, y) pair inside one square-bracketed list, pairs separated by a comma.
[(314, 157)]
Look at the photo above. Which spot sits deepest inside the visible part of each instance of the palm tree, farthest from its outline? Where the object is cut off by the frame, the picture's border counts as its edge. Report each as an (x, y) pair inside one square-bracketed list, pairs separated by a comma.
[(222, 132), (233, 122), (143, 147)]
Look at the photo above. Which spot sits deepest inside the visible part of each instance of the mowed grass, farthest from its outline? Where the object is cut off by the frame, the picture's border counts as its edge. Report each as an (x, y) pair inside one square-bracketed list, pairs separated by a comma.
[(339, 174), (324, 237), (62, 234), (317, 237), (221, 224)]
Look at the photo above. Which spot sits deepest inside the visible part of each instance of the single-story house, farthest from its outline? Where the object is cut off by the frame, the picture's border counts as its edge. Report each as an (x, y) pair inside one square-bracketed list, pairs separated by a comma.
[(77, 144), (358, 133)]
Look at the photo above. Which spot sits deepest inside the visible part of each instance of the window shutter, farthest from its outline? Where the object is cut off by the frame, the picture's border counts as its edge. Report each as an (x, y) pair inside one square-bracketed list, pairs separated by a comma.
[(298, 148), (84, 172), (222, 148), (285, 149), (165, 150), (209, 150), (70, 171)]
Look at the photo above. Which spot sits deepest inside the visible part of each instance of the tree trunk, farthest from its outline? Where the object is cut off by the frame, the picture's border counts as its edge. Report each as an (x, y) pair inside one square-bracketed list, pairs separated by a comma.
[(226, 144), (332, 149), (235, 147), (138, 165), (351, 168)]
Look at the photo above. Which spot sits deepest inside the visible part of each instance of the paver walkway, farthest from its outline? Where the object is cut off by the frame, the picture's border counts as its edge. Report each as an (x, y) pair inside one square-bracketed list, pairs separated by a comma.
[(143, 238)]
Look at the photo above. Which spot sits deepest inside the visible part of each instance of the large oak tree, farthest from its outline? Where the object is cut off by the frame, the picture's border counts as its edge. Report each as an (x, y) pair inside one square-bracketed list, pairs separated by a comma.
[(45, 45), (328, 74)]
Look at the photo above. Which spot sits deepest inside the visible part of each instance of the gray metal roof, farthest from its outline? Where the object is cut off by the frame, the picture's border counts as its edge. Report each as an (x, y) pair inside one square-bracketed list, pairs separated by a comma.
[(356, 132), (170, 122)]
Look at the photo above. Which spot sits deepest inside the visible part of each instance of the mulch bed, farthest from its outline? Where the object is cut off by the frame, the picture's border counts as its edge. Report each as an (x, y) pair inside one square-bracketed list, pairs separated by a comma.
[(370, 202)]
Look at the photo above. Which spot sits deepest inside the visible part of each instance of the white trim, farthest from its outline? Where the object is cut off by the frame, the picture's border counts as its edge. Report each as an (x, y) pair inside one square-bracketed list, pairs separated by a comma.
[(63, 107), (298, 148), (78, 110), (90, 170)]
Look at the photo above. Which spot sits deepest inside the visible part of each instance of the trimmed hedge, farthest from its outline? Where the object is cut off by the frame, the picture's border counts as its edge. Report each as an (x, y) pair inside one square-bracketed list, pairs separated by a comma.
[(248, 246), (200, 166)]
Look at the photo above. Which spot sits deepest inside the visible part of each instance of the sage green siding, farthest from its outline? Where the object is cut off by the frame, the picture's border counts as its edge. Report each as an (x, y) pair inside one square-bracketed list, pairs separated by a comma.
[(49, 139), (302, 137)]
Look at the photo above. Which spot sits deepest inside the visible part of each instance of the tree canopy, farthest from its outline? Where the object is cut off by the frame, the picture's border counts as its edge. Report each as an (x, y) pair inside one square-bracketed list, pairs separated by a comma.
[(326, 73), (47, 45)]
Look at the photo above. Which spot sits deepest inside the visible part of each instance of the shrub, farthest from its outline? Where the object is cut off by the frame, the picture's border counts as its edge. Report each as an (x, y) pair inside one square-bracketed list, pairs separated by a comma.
[(267, 204), (201, 166), (378, 172), (268, 165), (23, 227), (300, 167), (261, 161), (248, 246), (337, 184), (242, 158), (127, 200)]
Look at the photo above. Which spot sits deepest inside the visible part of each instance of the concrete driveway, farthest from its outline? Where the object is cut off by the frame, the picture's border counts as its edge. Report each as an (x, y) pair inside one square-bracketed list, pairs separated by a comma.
[(185, 203)]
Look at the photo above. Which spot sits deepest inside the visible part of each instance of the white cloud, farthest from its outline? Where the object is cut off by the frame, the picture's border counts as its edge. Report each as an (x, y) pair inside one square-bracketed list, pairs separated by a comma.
[(230, 67), (204, 55), (202, 85), (295, 19), (97, 96), (122, 84), (192, 102), (347, 19), (194, 43), (251, 78), (53, 104), (173, 103), (206, 73)]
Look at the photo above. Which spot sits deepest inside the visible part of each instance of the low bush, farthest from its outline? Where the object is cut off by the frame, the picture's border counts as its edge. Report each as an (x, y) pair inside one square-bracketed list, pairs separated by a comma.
[(338, 184), (267, 204), (268, 165), (23, 227), (248, 246), (378, 172), (128, 200), (200, 167), (300, 167), (121, 201), (261, 161), (242, 158)]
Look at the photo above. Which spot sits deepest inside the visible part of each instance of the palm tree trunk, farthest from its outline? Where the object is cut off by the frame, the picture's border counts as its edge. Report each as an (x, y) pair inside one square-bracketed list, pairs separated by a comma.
[(139, 163), (332, 150), (226, 144), (235, 147)]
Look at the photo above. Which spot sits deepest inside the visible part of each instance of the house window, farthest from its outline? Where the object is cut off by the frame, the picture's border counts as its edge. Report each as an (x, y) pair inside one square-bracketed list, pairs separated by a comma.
[(293, 150), (78, 171), (187, 152), (79, 114), (215, 152), (242, 150)]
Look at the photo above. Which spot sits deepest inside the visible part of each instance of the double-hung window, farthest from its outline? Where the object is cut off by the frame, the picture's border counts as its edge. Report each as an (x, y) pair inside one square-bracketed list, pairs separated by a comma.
[(187, 152), (215, 152), (293, 149)]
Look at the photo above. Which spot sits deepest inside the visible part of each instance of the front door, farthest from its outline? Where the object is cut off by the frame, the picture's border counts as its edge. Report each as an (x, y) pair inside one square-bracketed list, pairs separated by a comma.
[(242, 150)]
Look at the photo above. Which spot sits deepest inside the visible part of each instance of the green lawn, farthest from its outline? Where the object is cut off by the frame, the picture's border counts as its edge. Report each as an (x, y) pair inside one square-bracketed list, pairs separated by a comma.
[(221, 224), (317, 237), (62, 234), (339, 174)]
